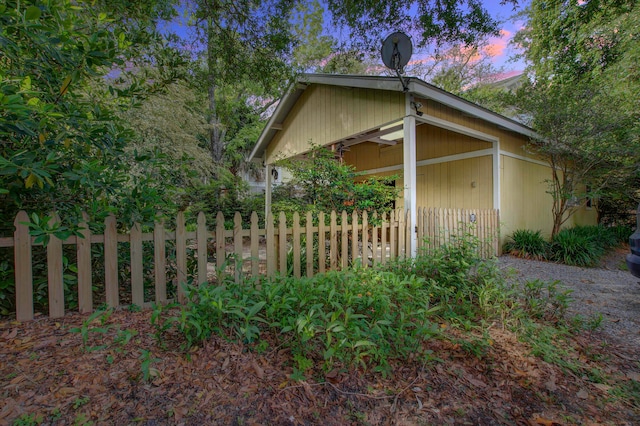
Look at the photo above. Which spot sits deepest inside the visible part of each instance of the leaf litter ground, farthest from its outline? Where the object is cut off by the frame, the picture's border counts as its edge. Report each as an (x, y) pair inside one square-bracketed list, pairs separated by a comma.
[(48, 375)]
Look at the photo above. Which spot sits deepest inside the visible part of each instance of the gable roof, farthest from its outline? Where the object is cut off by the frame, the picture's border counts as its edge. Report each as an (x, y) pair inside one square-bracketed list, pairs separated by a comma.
[(415, 86)]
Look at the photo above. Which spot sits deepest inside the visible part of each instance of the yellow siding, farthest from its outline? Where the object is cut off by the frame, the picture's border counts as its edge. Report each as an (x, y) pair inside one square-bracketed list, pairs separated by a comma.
[(431, 142), (324, 114), (434, 142), (584, 216), (463, 184), (525, 202)]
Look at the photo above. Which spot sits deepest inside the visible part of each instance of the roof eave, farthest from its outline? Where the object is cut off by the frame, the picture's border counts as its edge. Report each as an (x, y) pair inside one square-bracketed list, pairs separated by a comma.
[(415, 85)]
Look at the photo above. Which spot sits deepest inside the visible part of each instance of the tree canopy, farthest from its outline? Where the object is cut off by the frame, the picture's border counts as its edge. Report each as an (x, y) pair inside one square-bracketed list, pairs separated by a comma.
[(582, 94)]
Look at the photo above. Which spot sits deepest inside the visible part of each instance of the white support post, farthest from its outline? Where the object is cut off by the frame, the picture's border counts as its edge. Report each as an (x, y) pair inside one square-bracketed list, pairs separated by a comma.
[(410, 196), (268, 184), (496, 175)]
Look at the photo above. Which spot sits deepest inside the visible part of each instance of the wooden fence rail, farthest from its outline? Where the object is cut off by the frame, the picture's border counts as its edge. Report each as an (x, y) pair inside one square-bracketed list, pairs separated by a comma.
[(314, 245)]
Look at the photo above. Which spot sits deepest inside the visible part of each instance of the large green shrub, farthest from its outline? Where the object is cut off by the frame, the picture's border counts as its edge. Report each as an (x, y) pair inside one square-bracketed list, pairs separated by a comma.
[(371, 317), (362, 316), (528, 244), (322, 183), (576, 248)]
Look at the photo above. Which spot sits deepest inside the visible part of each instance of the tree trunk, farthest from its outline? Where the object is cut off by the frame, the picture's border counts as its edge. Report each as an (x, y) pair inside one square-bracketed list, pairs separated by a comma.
[(216, 143)]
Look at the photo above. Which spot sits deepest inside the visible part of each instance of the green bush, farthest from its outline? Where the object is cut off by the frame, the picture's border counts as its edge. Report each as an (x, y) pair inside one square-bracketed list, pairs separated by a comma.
[(528, 244), (363, 316), (621, 232), (466, 286), (604, 237), (371, 317), (573, 247)]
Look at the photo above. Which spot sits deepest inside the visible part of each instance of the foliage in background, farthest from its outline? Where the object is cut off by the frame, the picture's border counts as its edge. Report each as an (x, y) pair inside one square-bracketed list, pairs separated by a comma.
[(432, 21), (579, 246), (227, 194), (528, 244), (322, 183), (582, 96), (244, 48), (70, 77), (458, 67), (63, 139)]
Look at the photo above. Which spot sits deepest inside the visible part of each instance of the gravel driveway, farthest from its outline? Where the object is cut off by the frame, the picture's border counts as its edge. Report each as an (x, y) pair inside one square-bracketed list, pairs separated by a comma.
[(611, 292)]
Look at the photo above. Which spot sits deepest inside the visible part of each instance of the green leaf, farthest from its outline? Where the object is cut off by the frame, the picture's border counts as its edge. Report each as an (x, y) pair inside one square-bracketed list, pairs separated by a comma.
[(32, 13), (25, 84)]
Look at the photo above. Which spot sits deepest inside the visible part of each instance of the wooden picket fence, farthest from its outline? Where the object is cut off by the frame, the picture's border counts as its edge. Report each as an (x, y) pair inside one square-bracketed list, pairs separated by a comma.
[(438, 226), (314, 245)]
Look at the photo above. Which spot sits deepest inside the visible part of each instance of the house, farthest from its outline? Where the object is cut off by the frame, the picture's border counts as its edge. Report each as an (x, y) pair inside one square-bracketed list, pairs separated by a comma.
[(450, 153)]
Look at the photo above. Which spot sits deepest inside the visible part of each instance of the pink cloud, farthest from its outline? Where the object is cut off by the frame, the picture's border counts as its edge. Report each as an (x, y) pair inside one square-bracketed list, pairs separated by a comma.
[(505, 75), (498, 45)]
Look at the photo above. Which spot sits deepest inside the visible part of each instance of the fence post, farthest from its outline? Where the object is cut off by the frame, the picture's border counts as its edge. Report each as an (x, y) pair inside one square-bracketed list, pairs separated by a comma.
[(54, 272), (496, 233), (408, 233), (296, 244), (237, 245), (221, 252), (322, 244), (137, 268), (255, 254), (383, 238), (181, 256), (83, 251), (23, 271), (402, 233), (111, 261), (393, 239), (355, 253), (271, 253), (374, 240), (160, 261), (201, 240), (282, 246), (333, 241), (345, 240), (309, 231), (365, 239)]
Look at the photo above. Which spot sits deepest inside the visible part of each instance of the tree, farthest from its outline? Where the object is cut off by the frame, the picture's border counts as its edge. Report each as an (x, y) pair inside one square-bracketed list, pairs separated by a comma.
[(581, 97), (349, 61), (430, 21), (312, 47), (588, 145), (458, 67), (62, 139), (323, 184), (245, 45)]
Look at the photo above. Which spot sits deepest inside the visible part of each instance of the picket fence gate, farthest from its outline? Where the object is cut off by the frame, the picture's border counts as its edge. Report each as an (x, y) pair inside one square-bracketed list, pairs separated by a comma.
[(279, 247)]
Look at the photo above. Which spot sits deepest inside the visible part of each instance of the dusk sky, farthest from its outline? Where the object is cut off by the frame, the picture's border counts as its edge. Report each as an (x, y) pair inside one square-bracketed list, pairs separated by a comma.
[(498, 47)]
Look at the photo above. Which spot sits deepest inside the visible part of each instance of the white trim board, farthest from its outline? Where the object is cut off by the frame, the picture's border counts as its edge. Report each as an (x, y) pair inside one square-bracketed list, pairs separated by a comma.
[(457, 128), (430, 161), (523, 158)]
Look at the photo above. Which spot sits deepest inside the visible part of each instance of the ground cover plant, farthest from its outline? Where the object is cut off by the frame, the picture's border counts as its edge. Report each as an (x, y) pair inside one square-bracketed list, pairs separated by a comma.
[(577, 246), (443, 338)]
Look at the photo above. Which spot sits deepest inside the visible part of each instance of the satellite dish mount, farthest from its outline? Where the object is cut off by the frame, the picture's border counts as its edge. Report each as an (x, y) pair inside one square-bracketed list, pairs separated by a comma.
[(396, 52)]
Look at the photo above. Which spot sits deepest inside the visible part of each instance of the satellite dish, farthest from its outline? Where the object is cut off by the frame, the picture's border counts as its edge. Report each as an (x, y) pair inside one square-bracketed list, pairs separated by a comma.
[(396, 52)]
